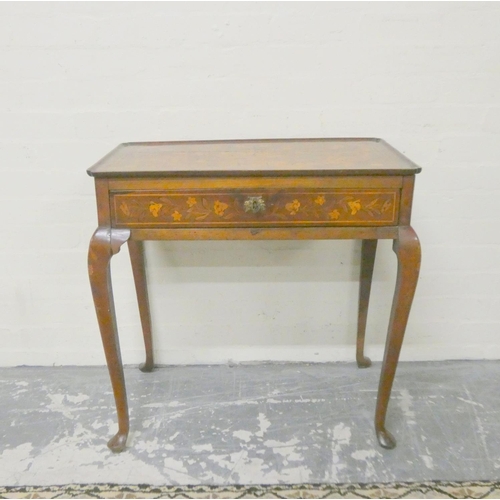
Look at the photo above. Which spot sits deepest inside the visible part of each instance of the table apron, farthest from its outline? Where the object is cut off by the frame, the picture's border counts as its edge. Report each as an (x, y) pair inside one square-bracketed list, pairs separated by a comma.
[(284, 233)]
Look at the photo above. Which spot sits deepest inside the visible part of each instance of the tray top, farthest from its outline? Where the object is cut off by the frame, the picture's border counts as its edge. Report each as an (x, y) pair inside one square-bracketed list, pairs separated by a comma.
[(281, 157)]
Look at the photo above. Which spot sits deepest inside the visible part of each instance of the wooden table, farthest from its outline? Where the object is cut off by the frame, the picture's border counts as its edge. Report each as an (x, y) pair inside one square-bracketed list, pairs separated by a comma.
[(249, 190)]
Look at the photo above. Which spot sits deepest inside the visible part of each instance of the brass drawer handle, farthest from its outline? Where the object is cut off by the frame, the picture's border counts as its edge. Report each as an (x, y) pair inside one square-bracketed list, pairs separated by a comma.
[(254, 204)]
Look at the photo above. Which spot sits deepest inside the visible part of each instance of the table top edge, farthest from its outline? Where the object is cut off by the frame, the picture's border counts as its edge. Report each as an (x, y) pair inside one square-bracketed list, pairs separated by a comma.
[(409, 169)]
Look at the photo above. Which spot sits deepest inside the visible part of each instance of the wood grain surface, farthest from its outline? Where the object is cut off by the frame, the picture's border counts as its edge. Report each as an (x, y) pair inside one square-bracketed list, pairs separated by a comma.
[(258, 157)]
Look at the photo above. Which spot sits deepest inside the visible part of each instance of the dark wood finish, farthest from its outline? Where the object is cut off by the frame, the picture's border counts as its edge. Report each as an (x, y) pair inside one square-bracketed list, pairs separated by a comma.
[(136, 250), (183, 183), (406, 200), (407, 249), (104, 244), (249, 190), (258, 157), (268, 233), (368, 250), (103, 205)]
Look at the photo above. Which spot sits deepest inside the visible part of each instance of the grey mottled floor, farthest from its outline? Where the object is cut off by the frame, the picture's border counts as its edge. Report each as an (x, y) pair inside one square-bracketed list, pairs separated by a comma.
[(260, 424)]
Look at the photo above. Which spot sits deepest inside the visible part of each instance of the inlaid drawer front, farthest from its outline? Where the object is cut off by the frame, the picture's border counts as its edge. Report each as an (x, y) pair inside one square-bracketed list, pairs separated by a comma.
[(255, 208)]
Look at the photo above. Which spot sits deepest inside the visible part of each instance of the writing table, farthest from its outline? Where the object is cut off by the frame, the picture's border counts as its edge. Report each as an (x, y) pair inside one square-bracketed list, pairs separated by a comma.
[(249, 190)]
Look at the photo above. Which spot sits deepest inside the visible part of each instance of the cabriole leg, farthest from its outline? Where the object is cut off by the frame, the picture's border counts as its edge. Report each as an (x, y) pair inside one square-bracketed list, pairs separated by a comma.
[(136, 250), (407, 248), (104, 244), (368, 250)]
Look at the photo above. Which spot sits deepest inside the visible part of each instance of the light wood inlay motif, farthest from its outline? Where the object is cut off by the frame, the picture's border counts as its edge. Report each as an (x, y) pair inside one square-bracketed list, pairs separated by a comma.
[(202, 209)]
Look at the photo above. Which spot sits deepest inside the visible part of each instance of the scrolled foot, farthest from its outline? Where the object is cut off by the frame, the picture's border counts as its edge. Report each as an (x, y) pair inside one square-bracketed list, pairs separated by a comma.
[(147, 367), (386, 439), (117, 443), (364, 362)]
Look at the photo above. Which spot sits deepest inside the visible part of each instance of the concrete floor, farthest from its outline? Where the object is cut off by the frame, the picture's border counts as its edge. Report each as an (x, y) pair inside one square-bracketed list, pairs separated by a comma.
[(250, 424)]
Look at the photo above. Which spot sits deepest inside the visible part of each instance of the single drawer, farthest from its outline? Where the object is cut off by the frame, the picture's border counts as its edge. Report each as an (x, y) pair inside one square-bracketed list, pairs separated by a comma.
[(255, 208)]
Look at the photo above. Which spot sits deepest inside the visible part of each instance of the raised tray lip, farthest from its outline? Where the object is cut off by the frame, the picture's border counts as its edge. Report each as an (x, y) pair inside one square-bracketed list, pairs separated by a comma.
[(411, 168)]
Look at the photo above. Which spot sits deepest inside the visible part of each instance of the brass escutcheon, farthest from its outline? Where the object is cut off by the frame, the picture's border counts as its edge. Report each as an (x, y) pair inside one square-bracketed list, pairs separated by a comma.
[(254, 204)]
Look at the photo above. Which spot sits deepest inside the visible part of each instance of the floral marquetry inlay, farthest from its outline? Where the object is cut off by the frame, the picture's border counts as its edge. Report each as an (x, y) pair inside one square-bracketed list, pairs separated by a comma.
[(220, 208), (205, 208), (155, 208), (293, 207)]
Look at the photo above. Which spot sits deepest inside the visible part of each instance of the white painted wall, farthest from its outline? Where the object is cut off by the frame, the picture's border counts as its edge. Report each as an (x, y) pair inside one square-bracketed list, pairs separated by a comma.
[(76, 79)]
